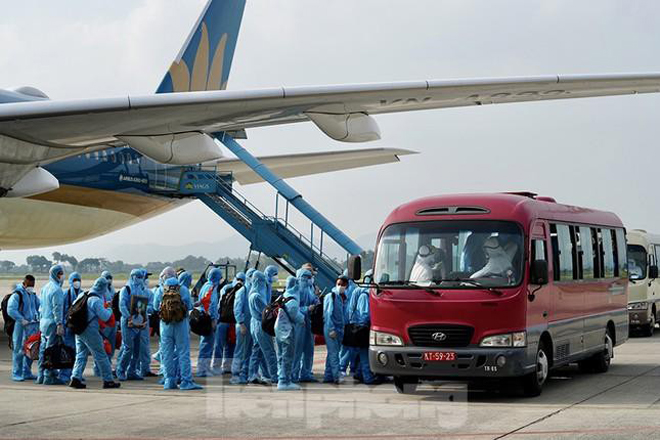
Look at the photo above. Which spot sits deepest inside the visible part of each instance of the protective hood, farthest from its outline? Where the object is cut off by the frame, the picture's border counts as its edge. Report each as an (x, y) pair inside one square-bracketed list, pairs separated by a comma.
[(54, 271), (136, 279), (271, 273), (167, 273), (185, 279), (240, 276), (215, 275), (369, 276), (258, 282), (99, 287), (74, 276), (172, 281)]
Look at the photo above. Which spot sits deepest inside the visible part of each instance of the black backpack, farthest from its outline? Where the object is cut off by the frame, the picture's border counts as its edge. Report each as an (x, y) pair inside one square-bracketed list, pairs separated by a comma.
[(269, 315), (115, 304), (316, 315), (227, 305), (200, 323), (76, 317), (10, 323)]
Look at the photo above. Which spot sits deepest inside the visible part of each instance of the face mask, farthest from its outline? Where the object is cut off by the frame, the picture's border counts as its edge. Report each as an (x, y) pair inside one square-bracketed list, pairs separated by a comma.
[(341, 289), (76, 285), (30, 289)]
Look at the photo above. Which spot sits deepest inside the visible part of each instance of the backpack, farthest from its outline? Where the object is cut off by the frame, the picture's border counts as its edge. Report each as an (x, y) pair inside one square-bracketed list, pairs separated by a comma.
[(172, 308), (200, 323), (227, 305), (269, 315), (115, 304), (10, 323), (76, 317), (316, 316)]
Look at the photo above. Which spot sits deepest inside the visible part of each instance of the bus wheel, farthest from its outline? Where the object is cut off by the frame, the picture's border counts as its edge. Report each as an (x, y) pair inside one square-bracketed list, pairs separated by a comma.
[(650, 327), (405, 384), (600, 362), (533, 382)]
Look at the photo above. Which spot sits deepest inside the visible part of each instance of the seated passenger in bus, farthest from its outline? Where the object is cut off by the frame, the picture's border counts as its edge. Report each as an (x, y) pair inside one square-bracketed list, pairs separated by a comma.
[(429, 265), (473, 257), (635, 272), (500, 259)]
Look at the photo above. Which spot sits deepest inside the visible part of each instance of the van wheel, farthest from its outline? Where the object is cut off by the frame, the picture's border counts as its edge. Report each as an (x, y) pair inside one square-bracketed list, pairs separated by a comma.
[(405, 384), (600, 362), (650, 327), (533, 382)]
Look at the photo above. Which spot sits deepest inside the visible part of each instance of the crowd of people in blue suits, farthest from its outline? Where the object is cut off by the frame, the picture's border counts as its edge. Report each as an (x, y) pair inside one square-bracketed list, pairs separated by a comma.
[(240, 348)]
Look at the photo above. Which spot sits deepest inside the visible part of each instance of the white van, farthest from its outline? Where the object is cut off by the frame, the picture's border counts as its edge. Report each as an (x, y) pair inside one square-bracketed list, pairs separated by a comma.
[(644, 286)]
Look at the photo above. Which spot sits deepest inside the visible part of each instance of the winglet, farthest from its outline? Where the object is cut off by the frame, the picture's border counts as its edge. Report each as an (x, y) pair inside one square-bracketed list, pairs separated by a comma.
[(205, 60)]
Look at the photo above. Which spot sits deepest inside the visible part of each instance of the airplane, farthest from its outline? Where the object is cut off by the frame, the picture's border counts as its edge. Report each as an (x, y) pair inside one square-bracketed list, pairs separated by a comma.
[(71, 170)]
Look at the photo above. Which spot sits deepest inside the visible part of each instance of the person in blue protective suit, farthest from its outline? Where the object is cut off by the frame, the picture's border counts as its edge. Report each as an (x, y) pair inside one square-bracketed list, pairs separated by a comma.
[(271, 276), (23, 307), (333, 330), (242, 368), (223, 355), (348, 356), (131, 327), (110, 332), (303, 360), (258, 301), (289, 321), (208, 302), (70, 295), (51, 323), (359, 315), (175, 341), (91, 341), (144, 363)]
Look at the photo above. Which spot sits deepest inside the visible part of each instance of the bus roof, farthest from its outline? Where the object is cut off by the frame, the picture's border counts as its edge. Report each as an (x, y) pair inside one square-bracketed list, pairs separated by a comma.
[(641, 237), (521, 207)]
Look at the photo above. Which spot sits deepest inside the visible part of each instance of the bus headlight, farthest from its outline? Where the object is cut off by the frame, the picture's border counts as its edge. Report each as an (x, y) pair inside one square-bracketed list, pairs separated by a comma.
[(638, 306), (380, 338), (517, 339)]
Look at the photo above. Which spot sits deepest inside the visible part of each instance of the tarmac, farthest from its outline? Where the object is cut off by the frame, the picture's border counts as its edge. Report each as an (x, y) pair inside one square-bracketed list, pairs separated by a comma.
[(624, 402)]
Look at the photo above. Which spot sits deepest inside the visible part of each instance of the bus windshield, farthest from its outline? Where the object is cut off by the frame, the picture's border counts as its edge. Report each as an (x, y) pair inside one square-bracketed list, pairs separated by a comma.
[(636, 262), (451, 254)]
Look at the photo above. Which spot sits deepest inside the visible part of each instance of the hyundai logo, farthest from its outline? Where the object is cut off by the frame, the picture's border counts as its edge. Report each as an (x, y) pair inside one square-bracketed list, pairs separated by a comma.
[(439, 336)]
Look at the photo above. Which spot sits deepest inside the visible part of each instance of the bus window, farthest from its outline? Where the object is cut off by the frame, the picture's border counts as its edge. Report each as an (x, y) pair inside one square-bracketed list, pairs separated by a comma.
[(577, 261), (586, 242), (554, 242), (565, 246), (609, 255)]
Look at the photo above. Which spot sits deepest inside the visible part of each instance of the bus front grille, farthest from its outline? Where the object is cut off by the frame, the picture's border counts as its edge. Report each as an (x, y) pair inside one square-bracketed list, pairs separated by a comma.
[(441, 335)]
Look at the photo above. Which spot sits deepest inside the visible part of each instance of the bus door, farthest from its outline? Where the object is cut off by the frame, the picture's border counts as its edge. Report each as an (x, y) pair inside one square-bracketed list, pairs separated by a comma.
[(538, 297)]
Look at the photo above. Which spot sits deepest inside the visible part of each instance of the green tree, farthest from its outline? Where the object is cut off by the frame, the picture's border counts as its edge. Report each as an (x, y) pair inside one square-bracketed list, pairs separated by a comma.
[(39, 263)]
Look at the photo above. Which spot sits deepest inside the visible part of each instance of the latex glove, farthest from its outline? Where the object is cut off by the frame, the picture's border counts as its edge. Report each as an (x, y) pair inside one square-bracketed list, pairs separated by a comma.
[(333, 334), (243, 329), (60, 330), (25, 322)]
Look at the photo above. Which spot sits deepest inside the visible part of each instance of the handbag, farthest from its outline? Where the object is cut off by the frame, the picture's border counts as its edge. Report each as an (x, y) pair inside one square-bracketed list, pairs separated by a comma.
[(32, 345), (356, 336), (59, 356), (200, 323)]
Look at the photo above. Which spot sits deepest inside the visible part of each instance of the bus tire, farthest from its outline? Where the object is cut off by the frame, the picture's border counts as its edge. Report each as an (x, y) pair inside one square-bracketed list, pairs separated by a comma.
[(405, 384), (600, 362), (649, 328), (533, 382)]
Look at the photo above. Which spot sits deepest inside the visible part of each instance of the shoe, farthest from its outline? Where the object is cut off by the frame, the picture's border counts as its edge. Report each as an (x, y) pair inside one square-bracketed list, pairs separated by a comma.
[(39, 380), (53, 381), (150, 374), (161, 381), (375, 382), (339, 381), (170, 384), (29, 376), (186, 386), (264, 382), (281, 386), (17, 378), (202, 374), (226, 372), (342, 373), (134, 377), (110, 385), (328, 380), (309, 380), (77, 384), (237, 381)]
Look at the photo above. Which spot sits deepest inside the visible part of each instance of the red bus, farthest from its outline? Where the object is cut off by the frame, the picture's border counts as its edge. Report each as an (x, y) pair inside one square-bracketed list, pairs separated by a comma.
[(496, 286)]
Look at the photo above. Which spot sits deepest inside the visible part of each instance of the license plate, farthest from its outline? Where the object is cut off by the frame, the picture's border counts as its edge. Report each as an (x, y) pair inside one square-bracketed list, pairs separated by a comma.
[(439, 356)]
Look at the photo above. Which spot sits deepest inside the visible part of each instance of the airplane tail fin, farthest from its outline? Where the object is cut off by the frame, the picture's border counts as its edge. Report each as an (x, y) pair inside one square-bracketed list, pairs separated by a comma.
[(205, 59)]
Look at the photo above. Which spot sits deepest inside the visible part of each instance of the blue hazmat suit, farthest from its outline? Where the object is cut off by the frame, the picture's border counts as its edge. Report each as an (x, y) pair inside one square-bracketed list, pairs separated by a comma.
[(184, 280), (271, 276), (90, 341), (359, 315), (333, 331), (223, 355), (303, 360), (127, 361), (289, 321), (110, 333), (348, 355), (242, 367), (22, 307), (175, 342), (208, 302), (70, 296), (51, 322), (258, 302)]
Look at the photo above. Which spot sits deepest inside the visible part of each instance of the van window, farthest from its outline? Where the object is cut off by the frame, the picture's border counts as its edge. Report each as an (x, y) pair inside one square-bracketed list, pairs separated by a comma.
[(608, 253), (567, 266), (637, 261), (623, 255)]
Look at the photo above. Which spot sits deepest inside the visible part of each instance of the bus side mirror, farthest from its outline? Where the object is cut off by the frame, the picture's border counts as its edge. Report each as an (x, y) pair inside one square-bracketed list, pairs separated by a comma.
[(539, 272), (653, 272), (355, 267)]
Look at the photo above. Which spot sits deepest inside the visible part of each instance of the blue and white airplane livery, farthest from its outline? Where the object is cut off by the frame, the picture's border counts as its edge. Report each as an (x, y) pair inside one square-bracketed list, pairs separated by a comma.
[(75, 169)]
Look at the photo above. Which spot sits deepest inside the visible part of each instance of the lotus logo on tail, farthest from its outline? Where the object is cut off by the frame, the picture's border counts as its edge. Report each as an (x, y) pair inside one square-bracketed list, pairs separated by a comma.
[(439, 336)]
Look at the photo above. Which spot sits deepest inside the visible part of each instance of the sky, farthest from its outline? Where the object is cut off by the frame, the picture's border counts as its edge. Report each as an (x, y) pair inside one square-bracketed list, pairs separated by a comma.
[(592, 152)]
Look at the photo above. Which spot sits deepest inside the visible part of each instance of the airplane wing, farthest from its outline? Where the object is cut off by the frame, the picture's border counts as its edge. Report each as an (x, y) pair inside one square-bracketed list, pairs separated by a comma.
[(295, 165)]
